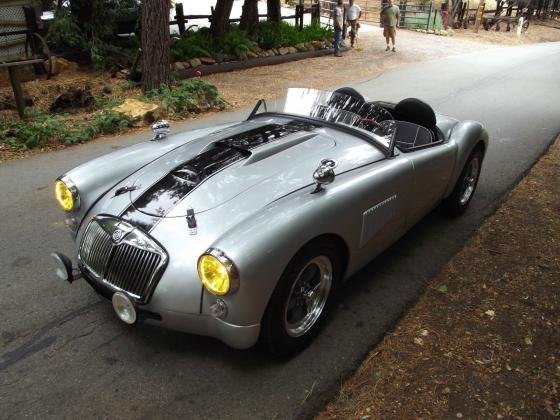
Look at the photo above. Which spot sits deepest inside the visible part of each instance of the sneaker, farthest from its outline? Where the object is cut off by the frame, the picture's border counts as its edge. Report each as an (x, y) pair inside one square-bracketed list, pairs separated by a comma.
[(338, 55), (394, 49), (387, 49)]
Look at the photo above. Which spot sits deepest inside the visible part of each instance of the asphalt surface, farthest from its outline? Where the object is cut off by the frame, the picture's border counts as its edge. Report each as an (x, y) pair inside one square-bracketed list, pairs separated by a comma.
[(64, 354)]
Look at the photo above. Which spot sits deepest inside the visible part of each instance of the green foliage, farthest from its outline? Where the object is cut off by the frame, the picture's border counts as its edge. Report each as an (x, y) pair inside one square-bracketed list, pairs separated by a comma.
[(94, 35), (238, 43), (191, 96), (33, 133), (201, 44), (273, 35), (193, 44), (105, 123), (64, 32), (40, 129)]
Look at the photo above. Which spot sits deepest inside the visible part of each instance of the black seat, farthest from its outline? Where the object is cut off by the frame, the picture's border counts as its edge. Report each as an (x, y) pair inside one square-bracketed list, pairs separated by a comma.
[(418, 112)]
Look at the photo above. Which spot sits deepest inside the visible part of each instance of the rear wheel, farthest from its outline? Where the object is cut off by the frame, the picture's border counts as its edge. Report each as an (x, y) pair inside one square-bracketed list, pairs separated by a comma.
[(301, 299), (465, 187)]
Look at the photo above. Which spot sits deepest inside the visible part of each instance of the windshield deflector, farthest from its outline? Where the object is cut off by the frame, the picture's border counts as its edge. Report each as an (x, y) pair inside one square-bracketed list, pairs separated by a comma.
[(336, 110)]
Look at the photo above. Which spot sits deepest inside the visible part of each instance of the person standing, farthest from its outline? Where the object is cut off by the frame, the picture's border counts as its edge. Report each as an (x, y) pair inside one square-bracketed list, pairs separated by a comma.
[(390, 18), (338, 21), (353, 15), (445, 14)]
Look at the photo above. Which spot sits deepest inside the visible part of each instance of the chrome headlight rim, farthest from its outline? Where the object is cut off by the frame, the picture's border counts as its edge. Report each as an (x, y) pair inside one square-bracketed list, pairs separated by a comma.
[(229, 265), (73, 190)]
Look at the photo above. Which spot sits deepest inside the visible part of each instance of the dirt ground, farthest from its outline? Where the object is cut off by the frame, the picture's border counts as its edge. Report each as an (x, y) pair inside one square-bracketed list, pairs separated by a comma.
[(484, 339)]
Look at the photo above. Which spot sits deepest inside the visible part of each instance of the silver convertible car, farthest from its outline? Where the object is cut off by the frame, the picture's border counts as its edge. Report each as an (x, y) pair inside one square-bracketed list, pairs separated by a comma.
[(245, 231)]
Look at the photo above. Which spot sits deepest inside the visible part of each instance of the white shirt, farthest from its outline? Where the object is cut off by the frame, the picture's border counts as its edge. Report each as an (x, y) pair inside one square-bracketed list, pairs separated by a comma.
[(353, 12), (338, 15)]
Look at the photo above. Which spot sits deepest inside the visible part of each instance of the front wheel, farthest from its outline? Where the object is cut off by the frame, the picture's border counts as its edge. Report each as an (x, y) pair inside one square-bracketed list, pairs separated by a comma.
[(465, 187), (301, 299)]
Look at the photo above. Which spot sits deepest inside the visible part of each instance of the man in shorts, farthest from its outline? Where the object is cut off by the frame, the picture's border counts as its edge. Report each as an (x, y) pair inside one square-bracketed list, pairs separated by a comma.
[(390, 18), (353, 15)]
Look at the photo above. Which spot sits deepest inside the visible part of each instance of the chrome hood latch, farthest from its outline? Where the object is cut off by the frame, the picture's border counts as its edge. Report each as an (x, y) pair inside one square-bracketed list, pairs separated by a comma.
[(324, 174)]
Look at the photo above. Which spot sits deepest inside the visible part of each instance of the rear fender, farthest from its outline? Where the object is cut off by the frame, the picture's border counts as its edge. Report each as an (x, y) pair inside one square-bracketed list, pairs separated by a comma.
[(466, 135)]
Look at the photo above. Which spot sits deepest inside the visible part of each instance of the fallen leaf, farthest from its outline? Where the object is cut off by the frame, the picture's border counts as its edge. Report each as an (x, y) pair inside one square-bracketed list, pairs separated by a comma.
[(418, 340), (528, 341), (490, 313), (442, 288)]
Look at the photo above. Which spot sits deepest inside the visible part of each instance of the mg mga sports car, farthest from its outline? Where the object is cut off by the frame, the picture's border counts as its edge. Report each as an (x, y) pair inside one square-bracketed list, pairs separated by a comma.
[(244, 231)]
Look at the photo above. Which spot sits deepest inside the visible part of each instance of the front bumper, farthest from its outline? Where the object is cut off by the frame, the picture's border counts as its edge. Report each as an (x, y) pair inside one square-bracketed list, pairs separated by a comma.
[(236, 336)]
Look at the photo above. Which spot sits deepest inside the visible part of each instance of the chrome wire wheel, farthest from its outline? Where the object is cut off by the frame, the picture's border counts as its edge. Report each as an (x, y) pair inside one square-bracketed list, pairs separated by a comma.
[(308, 296), (469, 181)]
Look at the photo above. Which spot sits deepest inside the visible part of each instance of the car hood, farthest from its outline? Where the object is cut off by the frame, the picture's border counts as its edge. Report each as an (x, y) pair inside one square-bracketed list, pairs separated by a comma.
[(259, 160)]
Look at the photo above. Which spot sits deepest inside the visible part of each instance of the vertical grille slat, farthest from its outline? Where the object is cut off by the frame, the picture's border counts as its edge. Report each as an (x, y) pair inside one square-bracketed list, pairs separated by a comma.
[(124, 265)]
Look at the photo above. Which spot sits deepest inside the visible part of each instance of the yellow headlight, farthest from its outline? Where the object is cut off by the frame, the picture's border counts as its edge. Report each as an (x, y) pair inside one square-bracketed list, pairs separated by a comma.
[(63, 195), (214, 275)]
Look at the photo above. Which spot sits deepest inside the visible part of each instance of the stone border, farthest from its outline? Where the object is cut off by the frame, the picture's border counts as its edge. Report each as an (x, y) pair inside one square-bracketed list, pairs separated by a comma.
[(252, 62)]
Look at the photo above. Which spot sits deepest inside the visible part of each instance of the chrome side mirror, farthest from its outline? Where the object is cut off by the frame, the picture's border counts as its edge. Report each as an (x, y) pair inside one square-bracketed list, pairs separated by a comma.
[(160, 129), (324, 174)]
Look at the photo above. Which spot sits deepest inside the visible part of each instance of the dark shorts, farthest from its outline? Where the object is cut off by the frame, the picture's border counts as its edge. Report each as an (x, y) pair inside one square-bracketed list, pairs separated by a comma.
[(389, 31)]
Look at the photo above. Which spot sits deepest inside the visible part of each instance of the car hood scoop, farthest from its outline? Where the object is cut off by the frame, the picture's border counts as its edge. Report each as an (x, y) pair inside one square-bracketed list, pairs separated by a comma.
[(224, 169)]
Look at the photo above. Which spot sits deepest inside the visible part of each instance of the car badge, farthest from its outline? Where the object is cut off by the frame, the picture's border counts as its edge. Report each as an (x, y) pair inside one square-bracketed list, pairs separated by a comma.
[(117, 235)]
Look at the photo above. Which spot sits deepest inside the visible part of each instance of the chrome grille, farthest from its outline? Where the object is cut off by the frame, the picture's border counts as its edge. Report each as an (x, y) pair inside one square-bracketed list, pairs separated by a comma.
[(133, 263)]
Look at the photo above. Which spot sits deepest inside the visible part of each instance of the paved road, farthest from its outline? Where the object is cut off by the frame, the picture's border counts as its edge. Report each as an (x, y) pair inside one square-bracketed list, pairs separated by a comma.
[(64, 354)]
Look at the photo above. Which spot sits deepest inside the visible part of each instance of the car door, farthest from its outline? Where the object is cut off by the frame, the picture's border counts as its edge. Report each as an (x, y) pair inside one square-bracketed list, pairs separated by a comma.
[(432, 168)]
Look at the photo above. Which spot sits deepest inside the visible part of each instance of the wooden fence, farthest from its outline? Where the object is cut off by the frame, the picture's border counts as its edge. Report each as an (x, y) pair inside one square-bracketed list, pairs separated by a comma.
[(182, 20)]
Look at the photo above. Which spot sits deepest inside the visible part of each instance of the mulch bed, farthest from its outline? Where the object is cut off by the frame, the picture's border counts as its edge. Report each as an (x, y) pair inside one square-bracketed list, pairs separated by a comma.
[(484, 339)]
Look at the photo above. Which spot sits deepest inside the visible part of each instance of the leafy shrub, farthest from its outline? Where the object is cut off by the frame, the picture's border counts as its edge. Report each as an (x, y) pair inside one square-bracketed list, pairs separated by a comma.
[(108, 122), (64, 32), (193, 44), (40, 129), (275, 35), (191, 96), (35, 132)]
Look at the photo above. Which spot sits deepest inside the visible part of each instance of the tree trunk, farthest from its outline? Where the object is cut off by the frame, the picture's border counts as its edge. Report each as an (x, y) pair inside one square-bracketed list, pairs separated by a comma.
[(250, 15), (155, 44), (274, 11), (220, 18)]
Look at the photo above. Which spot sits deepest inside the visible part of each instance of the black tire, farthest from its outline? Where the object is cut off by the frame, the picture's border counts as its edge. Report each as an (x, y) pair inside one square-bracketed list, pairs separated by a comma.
[(459, 199), (276, 336), (350, 92)]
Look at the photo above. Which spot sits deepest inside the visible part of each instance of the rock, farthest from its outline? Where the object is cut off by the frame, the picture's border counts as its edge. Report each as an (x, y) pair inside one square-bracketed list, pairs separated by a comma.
[(258, 50), (207, 61), (270, 53), (139, 112), (72, 100), (107, 89), (318, 45), (61, 65), (301, 47), (122, 74), (220, 57), (309, 46), (178, 66), (283, 51), (292, 50), (431, 31), (195, 62), (251, 54), (275, 51)]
